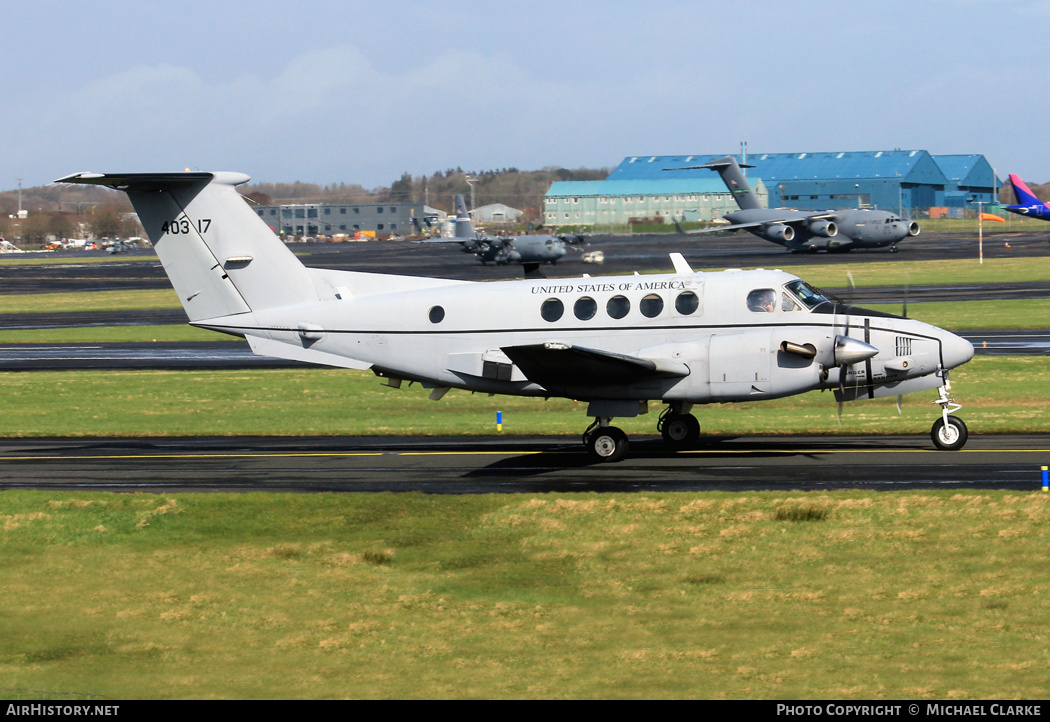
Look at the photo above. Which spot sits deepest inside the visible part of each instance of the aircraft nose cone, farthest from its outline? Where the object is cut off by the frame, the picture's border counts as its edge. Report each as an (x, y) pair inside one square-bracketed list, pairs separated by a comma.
[(955, 350)]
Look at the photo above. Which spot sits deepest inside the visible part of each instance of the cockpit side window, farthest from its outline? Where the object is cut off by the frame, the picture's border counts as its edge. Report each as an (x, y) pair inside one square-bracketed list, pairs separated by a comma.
[(806, 293), (789, 304), (762, 300)]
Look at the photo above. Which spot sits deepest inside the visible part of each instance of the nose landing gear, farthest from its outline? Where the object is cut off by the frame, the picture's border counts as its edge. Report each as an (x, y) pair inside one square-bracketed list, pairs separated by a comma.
[(949, 432)]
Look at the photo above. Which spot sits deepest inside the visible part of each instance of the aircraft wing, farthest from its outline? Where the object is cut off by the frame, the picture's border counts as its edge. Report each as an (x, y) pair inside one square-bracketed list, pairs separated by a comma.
[(758, 224), (731, 227), (559, 364)]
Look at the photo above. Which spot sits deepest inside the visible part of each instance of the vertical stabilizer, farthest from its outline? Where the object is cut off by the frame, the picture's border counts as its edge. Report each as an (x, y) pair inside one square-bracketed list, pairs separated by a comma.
[(464, 225), (221, 257), (735, 181), (1025, 196)]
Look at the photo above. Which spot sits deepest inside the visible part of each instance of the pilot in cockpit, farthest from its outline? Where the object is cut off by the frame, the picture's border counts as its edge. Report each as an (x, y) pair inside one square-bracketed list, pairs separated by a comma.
[(762, 300)]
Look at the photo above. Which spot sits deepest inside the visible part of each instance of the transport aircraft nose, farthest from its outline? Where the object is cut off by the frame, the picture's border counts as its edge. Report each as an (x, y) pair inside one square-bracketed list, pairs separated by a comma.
[(955, 350)]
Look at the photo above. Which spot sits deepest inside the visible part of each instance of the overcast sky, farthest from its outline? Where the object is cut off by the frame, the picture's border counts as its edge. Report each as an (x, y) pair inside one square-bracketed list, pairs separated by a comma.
[(360, 92)]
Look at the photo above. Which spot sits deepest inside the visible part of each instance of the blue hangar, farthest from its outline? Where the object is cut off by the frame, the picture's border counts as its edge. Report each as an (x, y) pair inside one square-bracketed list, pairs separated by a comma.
[(906, 181)]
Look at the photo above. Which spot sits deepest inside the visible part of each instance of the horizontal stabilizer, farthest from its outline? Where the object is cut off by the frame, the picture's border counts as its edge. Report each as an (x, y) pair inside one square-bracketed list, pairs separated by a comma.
[(555, 364), (148, 182)]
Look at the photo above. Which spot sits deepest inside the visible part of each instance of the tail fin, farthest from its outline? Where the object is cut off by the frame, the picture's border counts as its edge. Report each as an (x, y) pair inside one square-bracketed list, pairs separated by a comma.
[(464, 225), (221, 257), (1025, 197), (735, 181)]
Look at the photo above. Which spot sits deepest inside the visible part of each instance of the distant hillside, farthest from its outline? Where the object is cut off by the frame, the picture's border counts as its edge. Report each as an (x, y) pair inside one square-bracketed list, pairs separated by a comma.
[(60, 198), (520, 189)]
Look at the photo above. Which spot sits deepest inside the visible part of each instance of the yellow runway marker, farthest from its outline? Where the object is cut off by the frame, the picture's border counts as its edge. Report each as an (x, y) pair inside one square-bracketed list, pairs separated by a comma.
[(189, 456)]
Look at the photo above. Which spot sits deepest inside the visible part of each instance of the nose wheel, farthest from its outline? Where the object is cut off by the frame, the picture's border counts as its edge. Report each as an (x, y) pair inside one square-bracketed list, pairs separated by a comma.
[(949, 434)]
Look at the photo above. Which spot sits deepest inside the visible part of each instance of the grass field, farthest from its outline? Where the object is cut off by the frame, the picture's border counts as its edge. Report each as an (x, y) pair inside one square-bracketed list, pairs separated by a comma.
[(898, 273), (847, 595), (956, 316), (136, 300), (999, 395), (925, 273)]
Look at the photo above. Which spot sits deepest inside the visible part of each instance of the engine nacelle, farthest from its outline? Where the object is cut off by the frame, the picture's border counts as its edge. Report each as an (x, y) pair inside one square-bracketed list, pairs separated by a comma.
[(780, 232), (913, 229), (823, 228)]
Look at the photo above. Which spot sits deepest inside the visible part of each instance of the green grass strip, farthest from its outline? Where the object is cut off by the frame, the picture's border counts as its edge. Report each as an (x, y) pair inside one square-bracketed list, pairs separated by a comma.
[(895, 273), (113, 334), (137, 300), (976, 315), (928, 595), (900, 272), (999, 395)]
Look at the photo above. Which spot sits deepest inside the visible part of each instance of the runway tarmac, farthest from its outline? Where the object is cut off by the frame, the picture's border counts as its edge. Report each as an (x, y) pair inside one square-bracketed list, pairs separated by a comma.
[(237, 354), (518, 465), (623, 255), (471, 465)]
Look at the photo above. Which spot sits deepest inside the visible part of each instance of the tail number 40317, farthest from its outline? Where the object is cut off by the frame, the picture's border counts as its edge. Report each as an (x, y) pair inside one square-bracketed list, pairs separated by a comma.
[(185, 225)]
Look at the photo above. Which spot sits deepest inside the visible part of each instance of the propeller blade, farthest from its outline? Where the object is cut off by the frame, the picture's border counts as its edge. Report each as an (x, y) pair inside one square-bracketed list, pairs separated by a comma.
[(900, 404)]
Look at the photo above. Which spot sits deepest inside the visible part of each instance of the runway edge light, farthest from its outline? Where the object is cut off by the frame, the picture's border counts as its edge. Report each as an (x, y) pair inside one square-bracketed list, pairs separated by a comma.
[(1046, 480), (499, 427)]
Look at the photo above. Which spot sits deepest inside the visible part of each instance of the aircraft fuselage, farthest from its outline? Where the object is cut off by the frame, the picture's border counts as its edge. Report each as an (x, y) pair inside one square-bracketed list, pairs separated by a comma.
[(702, 329), (521, 249), (830, 230), (1035, 210)]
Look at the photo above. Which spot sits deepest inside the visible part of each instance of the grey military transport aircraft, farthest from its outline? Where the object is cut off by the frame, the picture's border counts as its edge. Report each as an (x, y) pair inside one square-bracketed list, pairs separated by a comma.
[(841, 230), (617, 342), (530, 251)]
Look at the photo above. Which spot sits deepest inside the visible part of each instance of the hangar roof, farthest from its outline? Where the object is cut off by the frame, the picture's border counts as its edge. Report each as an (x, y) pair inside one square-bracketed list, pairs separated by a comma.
[(967, 170), (633, 187), (915, 166)]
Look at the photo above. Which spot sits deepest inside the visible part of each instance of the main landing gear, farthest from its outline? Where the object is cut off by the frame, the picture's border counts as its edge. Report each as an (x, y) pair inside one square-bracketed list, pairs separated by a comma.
[(679, 428), (949, 432), (604, 442)]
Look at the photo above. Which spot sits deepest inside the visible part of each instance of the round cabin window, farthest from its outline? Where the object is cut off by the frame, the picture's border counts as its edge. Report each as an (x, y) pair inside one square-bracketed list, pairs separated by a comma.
[(585, 308), (618, 307), (552, 309), (651, 306), (686, 303)]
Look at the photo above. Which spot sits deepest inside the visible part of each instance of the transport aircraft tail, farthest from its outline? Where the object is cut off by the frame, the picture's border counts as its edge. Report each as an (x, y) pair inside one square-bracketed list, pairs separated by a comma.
[(1025, 197), (464, 224), (735, 181), (221, 257)]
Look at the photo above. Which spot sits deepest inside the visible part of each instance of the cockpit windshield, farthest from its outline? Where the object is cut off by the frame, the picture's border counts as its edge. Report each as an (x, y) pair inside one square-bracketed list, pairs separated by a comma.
[(807, 294)]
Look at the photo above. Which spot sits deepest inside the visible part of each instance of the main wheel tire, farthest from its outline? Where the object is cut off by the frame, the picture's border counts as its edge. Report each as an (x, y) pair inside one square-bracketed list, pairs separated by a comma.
[(951, 436), (607, 443), (680, 430)]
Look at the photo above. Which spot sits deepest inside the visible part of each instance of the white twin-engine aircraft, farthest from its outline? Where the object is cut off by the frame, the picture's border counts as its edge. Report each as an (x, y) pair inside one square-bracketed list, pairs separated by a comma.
[(616, 342)]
